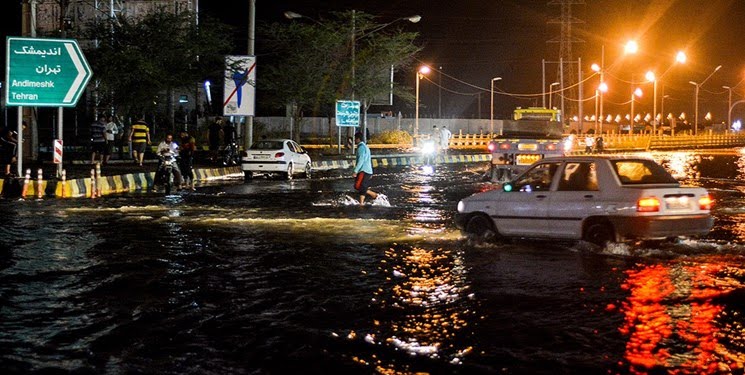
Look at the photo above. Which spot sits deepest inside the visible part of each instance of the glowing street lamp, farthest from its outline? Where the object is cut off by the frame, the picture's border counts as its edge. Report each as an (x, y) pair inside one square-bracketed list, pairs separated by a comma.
[(491, 117), (423, 70), (631, 47)]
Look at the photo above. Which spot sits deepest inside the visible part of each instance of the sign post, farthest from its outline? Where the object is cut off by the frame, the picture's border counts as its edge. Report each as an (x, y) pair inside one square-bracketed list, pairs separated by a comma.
[(43, 73), (347, 115)]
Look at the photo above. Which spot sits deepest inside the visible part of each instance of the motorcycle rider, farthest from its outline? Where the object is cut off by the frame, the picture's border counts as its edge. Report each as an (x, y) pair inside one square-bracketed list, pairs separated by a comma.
[(169, 149)]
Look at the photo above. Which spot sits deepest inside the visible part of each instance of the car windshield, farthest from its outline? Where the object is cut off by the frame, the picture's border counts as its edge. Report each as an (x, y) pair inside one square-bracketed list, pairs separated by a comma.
[(267, 145), (641, 171)]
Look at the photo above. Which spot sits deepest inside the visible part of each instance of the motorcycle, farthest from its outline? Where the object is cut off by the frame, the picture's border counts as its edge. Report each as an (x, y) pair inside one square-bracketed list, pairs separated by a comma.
[(165, 174), (231, 156), (429, 156)]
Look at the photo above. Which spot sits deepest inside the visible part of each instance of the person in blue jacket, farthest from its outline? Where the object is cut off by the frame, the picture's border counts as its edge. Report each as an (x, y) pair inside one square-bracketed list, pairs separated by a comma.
[(363, 170)]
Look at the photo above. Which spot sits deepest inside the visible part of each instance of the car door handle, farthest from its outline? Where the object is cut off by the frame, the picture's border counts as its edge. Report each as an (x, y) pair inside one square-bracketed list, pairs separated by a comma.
[(540, 196), (588, 196)]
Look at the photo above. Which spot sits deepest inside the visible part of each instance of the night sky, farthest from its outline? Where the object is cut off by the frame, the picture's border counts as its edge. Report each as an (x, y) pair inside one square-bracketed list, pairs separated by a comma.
[(476, 40)]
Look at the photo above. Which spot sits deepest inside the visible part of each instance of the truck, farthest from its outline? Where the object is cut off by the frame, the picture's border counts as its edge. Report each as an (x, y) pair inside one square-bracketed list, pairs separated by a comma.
[(533, 134)]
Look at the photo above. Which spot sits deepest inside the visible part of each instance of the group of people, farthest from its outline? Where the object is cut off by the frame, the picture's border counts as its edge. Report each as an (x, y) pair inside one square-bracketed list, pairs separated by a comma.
[(182, 154), (221, 129), (441, 137), (103, 136)]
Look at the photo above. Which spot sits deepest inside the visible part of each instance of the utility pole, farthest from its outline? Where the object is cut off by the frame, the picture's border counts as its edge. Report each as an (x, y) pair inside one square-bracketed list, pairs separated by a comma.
[(248, 137)]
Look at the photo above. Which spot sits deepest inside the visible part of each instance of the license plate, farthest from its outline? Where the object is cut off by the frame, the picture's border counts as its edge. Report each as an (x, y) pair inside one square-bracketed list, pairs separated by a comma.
[(261, 156), (678, 203)]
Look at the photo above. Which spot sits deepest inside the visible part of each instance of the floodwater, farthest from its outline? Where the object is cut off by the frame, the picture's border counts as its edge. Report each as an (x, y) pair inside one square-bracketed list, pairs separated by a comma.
[(292, 277)]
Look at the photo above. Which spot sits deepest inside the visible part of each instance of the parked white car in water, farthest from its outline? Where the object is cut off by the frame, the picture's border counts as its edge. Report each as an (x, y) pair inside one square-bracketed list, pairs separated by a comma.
[(276, 156), (598, 199)]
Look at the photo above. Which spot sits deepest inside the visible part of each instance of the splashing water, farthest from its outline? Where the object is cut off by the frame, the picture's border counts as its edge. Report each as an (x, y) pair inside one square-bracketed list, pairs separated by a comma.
[(381, 201), (346, 200)]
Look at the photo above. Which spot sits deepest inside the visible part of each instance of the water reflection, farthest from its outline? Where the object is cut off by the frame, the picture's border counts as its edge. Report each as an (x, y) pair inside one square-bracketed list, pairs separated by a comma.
[(678, 318), (425, 307)]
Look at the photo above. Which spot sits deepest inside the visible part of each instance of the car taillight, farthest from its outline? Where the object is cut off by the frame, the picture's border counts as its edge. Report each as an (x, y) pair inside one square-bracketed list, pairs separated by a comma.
[(279, 154), (705, 202), (505, 146), (491, 146), (551, 147), (648, 205)]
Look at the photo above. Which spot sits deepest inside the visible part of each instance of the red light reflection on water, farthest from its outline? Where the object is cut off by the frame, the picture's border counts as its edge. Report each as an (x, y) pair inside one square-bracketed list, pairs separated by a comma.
[(673, 323)]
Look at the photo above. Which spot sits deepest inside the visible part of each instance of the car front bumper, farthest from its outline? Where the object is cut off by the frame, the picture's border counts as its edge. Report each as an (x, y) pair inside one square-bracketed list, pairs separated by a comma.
[(656, 227)]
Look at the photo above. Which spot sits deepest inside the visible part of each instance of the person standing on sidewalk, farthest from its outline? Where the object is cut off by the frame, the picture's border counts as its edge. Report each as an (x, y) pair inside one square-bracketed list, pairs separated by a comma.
[(139, 135), (110, 131), (363, 170), (215, 132), (98, 140)]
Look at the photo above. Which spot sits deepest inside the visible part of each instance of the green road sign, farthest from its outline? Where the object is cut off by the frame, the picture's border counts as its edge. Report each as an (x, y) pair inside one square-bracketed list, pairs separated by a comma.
[(44, 72), (347, 113)]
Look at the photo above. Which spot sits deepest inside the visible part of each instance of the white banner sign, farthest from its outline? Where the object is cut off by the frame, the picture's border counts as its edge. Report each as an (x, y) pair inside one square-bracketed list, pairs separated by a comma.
[(240, 86)]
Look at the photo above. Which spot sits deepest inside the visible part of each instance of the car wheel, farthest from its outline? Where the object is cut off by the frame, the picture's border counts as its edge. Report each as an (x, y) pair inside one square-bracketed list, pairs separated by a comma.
[(248, 175), (599, 234), (290, 171), (482, 228), (307, 171)]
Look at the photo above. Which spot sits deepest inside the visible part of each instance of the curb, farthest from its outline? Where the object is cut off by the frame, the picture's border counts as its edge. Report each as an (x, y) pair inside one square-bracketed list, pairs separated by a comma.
[(107, 185), (142, 182)]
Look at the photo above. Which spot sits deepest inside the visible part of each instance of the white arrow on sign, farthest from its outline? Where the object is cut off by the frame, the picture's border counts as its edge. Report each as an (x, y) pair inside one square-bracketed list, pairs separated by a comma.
[(81, 73)]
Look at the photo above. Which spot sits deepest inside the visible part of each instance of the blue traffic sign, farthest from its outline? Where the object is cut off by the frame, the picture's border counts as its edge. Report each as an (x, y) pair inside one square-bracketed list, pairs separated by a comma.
[(348, 113)]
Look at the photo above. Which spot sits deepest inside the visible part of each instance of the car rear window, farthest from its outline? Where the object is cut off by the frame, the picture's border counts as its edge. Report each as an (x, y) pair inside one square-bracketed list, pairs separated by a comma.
[(267, 145), (639, 172)]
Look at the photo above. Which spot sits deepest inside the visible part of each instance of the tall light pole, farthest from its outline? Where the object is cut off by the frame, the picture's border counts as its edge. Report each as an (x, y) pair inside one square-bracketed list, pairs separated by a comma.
[(662, 110), (637, 92), (729, 105), (698, 87), (491, 116), (602, 86), (421, 72), (248, 137), (550, 92), (651, 78)]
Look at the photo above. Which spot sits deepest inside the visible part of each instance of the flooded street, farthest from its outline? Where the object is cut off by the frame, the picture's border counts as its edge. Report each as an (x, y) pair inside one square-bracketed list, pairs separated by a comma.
[(276, 276)]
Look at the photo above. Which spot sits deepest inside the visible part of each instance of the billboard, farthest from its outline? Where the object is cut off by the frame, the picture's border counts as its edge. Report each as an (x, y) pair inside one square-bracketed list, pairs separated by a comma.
[(240, 86)]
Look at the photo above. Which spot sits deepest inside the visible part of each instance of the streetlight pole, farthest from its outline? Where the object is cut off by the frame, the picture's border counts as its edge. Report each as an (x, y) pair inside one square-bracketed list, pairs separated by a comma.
[(419, 74), (698, 87), (248, 137), (637, 92), (662, 110), (550, 94), (729, 105), (491, 116), (651, 77)]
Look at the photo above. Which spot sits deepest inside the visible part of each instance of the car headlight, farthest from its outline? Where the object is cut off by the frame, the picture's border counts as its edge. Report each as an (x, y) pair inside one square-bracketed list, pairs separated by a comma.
[(461, 206), (428, 147)]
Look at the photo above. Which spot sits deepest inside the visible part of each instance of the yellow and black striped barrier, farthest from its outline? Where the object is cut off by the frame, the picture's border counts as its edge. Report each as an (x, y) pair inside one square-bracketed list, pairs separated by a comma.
[(142, 182)]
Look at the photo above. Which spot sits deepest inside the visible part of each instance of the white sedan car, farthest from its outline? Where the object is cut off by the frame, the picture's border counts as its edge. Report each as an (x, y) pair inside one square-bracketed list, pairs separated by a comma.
[(598, 199), (276, 156)]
